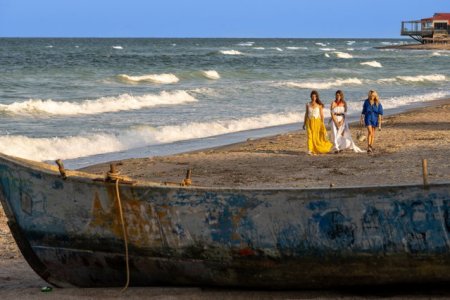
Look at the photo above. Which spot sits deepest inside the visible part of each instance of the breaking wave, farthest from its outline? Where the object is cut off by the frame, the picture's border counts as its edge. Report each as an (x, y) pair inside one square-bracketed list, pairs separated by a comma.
[(395, 102), (343, 54), (140, 136), (211, 74), (415, 79), (321, 85), (297, 48), (246, 44), (117, 47), (102, 105), (231, 52), (155, 78), (373, 63)]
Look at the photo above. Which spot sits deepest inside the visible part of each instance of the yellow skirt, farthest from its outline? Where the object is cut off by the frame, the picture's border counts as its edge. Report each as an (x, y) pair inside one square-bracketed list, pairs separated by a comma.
[(317, 136)]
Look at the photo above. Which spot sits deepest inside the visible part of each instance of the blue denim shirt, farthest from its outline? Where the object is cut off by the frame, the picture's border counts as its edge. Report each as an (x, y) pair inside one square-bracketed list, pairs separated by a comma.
[(371, 113)]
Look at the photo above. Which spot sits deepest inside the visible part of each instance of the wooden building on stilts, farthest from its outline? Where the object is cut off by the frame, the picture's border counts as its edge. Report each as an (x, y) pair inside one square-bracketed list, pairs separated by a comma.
[(429, 30)]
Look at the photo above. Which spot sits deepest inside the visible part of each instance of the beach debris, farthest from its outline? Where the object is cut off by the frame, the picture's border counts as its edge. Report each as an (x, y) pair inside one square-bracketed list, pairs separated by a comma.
[(62, 171), (46, 289), (187, 181), (425, 172)]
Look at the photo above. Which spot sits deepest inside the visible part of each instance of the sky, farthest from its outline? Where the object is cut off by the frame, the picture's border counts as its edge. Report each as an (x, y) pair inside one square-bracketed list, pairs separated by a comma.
[(212, 18)]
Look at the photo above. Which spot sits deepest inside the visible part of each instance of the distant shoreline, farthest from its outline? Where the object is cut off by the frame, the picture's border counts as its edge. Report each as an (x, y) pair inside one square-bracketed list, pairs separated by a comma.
[(417, 47)]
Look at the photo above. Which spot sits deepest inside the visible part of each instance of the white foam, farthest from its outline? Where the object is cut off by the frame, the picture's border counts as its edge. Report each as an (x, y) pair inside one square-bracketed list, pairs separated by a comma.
[(395, 102), (49, 46), (259, 48), (155, 78), (102, 105), (211, 74), (327, 49), (321, 44), (350, 42), (230, 52), (246, 44), (343, 55), (297, 48), (117, 47), (140, 136), (327, 55), (350, 49), (320, 85), (278, 49), (373, 64), (418, 78)]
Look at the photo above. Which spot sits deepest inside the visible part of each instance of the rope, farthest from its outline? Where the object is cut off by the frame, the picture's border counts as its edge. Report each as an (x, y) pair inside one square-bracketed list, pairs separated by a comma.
[(116, 176)]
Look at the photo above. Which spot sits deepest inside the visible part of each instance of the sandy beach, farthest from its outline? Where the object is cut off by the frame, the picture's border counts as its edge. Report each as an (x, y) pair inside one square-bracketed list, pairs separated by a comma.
[(278, 161), (282, 160)]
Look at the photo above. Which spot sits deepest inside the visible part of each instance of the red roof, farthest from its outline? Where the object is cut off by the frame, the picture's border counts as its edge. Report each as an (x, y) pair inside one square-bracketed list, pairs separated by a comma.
[(441, 16), (438, 17)]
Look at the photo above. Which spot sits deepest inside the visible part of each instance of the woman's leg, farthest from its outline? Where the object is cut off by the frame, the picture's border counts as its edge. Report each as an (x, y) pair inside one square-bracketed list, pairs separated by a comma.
[(373, 137), (369, 136)]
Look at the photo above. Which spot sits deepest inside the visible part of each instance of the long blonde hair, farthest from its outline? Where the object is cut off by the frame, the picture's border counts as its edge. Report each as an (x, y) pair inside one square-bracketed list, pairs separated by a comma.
[(375, 97)]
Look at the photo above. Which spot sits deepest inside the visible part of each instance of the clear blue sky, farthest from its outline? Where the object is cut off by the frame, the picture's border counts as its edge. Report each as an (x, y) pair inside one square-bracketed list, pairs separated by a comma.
[(212, 18)]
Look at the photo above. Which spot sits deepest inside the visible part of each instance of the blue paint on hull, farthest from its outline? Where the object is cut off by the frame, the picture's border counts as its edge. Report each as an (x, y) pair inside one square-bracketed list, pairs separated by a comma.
[(291, 238)]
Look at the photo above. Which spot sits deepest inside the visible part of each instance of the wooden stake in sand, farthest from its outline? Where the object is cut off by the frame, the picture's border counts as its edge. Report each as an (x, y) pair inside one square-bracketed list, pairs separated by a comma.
[(425, 172)]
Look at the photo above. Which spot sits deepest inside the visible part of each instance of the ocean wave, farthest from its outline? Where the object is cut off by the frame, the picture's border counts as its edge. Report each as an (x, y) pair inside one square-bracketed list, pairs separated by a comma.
[(117, 47), (350, 42), (321, 85), (259, 48), (414, 79), (401, 101), (327, 49), (278, 49), (84, 145), (231, 52), (373, 63), (343, 55), (246, 44), (102, 105), (327, 55), (211, 74), (297, 48), (321, 44), (155, 78)]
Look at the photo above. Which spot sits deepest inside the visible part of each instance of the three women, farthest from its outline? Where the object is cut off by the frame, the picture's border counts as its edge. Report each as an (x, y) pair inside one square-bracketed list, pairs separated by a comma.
[(340, 132)]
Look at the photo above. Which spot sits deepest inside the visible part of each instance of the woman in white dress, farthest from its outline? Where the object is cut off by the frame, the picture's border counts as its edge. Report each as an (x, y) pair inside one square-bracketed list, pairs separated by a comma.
[(340, 132)]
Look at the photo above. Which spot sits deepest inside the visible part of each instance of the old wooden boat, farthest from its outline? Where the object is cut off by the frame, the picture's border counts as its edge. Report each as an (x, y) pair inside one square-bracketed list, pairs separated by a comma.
[(68, 228)]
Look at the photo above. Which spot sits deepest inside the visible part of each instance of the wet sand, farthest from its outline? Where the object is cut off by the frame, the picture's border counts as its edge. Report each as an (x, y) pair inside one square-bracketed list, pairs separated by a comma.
[(278, 161)]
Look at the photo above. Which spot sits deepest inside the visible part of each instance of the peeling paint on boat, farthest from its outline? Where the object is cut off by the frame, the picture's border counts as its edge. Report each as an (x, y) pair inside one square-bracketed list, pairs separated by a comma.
[(281, 238)]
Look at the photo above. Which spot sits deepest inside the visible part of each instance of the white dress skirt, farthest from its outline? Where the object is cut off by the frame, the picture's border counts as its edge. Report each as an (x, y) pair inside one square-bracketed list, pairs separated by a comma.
[(342, 137)]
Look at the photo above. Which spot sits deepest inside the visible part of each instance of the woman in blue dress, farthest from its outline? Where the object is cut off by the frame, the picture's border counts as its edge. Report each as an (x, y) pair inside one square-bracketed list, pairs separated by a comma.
[(371, 116)]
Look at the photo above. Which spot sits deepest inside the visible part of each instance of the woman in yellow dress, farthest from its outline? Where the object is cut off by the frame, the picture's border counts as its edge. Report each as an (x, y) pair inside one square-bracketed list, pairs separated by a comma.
[(315, 126)]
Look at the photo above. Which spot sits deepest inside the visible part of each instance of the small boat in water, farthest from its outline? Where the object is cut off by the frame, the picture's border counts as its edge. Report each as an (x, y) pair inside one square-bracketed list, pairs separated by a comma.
[(72, 228)]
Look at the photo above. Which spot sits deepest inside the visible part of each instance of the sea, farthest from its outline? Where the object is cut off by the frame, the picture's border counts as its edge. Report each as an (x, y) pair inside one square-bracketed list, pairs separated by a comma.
[(88, 101)]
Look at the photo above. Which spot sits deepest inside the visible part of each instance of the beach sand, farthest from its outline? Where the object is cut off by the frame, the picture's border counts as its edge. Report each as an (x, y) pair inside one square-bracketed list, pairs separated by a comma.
[(282, 161), (278, 161)]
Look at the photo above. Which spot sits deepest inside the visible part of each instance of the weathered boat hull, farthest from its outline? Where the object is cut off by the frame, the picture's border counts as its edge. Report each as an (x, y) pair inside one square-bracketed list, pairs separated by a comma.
[(70, 232)]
